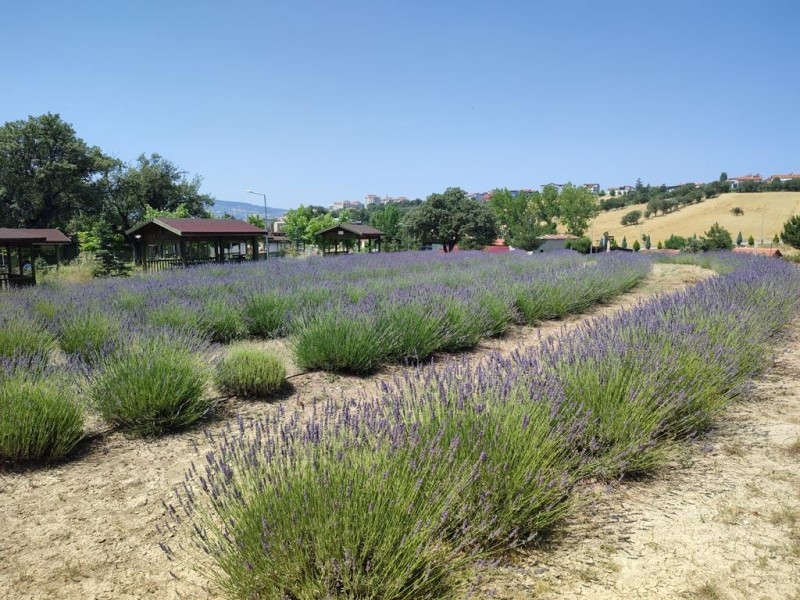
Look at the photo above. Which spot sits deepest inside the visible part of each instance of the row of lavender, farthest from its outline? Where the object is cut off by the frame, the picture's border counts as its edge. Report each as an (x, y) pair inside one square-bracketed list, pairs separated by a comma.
[(396, 496), (136, 352)]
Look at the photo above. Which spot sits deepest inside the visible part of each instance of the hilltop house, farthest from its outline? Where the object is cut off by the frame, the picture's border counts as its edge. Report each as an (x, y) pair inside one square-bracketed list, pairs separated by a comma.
[(784, 177), (737, 182)]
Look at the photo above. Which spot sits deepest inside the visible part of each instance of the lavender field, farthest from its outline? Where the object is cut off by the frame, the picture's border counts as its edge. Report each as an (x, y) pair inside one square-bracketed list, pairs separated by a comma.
[(138, 352), (395, 496)]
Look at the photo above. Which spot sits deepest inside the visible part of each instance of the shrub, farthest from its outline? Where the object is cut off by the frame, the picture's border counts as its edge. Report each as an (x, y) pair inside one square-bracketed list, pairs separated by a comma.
[(636, 246), (582, 245), (791, 232), (155, 385), (751, 241), (417, 329), (90, 335), (737, 211), (331, 340), (26, 339), (221, 322), (660, 246), (718, 238), (266, 315), (39, 419), (632, 218), (248, 373), (675, 242)]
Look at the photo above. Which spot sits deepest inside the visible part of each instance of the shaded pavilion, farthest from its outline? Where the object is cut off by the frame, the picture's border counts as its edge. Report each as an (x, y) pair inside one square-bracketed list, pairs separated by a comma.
[(348, 235), (20, 247), (164, 242)]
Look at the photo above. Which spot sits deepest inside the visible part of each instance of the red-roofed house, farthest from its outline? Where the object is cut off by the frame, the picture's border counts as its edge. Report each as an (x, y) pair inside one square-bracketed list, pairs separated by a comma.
[(737, 182), (784, 177)]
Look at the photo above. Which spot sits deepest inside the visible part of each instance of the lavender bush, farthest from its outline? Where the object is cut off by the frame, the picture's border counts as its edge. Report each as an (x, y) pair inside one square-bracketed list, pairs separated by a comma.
[(250, 373), (40, 419), (156, 384)]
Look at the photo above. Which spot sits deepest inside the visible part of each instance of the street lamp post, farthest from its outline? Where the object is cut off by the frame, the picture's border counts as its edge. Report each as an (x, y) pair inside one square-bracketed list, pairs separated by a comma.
[(266, 219)]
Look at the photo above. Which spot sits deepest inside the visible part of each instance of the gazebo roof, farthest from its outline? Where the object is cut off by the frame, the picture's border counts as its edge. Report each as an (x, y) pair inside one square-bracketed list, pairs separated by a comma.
[(201, 227), (363, 231), (33, 236)]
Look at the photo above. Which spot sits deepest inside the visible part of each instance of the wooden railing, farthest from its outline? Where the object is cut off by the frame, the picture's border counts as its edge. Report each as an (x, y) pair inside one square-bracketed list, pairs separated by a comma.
[(160, 264)]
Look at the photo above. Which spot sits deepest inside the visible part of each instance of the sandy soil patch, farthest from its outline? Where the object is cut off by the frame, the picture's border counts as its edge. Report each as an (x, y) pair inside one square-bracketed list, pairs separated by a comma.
[(87, 528)]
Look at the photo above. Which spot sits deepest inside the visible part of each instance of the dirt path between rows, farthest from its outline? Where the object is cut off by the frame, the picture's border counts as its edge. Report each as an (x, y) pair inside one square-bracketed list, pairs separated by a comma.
[(720, 523), (87, 528)]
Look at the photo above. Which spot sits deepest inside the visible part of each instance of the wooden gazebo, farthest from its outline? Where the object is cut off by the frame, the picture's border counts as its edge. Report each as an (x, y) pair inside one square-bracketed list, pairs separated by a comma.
[(343, 237), (163, 242), (18, 252)]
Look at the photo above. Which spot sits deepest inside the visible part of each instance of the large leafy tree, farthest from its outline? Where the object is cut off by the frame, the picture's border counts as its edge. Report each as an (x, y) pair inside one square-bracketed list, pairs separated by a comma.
[(451, 217), (151, 183), (524, 218), (791, 232), (49, 177), (577, 207)]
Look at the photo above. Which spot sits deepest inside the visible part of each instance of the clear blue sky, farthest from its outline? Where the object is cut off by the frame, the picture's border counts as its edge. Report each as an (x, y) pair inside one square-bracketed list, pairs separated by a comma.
[(312, 102)]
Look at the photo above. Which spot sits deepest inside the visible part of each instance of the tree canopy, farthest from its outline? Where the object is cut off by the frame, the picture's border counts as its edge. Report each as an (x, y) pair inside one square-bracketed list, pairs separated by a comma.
[(450, 217), (49, 177), (791, 232), (577, 206)]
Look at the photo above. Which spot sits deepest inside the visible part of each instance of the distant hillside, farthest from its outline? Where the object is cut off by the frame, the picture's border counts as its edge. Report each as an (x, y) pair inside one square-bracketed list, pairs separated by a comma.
[(774, 207), (242, 210)]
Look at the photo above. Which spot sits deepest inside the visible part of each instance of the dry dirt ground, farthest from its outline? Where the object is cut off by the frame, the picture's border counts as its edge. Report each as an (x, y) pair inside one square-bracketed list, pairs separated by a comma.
[(87, 528)]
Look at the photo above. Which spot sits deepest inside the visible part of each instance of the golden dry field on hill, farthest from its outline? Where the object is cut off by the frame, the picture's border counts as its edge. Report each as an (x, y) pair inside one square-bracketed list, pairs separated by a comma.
[(770, 208)]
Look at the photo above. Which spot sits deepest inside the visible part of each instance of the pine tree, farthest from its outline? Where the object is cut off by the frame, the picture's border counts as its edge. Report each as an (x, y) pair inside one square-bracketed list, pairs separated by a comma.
[(636, 246), (751, 241), (739, 239)]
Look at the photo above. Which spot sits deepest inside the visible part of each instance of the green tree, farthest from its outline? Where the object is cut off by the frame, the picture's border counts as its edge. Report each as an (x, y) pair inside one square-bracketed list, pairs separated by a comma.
[(791, 232), (577, 206), (636, 246), (256, 220), (48, 175), (152, 183), (739, 239), (675, 242), (751, 241), (660, 246), (632, 218), (647, 242), (523, 218), (624, 243), (450, 217), (718, 238), (723, 177), (776, 240), (387, 219)]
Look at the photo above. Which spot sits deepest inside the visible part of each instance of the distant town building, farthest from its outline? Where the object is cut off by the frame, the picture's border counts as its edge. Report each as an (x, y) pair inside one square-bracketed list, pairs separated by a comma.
[(343, 204), (736, 182), (558, 186), (621, 191), (784, 177), (592, 187)]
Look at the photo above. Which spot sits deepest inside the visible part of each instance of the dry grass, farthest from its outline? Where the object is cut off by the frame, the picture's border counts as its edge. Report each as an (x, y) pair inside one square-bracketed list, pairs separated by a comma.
[(774, 207)]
